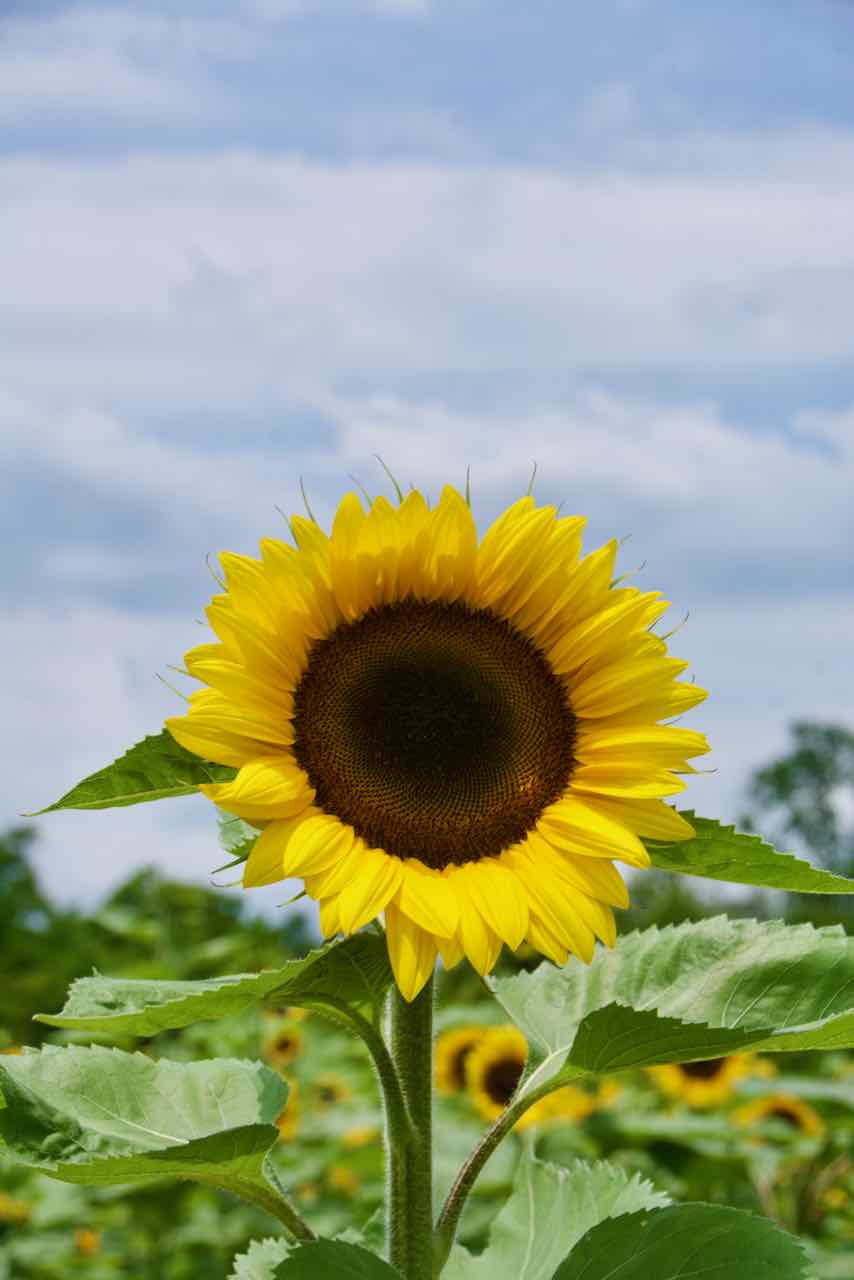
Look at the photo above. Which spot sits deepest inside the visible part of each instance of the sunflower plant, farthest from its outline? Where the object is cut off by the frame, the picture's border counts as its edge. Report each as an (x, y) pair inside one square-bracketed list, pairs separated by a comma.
[(450, 741)]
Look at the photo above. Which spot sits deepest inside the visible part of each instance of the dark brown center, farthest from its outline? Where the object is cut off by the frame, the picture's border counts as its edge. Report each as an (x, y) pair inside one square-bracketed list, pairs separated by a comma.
[(501, 1078), (704, 1069), (437, 731)]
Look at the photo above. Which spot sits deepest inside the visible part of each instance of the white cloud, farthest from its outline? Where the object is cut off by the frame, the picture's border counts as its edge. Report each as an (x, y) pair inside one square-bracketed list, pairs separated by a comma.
[(217, 280), (118, 61)]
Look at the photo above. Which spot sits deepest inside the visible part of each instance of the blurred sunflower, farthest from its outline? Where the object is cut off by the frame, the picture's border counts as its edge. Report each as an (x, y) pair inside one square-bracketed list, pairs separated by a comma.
[(785, 1108), (461, 735), (288, 1121), (87, 1242), (343, 1180), (329, 1089), (283, 1045), (707, 1082), (569, 1103), (452, 1049), (493, 1070), (15, 1212)]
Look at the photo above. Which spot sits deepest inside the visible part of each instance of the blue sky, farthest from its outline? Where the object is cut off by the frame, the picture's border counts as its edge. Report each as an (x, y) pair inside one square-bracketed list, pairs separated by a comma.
[(246, 242)]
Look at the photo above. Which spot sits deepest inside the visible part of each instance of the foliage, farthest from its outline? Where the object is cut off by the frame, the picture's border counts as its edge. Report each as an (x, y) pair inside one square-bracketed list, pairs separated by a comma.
[(794, 794)]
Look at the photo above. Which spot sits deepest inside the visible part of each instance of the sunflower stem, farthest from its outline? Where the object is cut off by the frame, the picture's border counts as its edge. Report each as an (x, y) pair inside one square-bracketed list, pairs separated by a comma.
[(446, 1226), (410, 1198)]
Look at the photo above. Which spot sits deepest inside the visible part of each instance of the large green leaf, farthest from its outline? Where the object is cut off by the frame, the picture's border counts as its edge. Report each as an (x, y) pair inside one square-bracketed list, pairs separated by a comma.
[(722, 853), (101, 1117), (355, 970), (334, 1260), (548, 1211), (684, 993), (686, 1240), (154, 769)]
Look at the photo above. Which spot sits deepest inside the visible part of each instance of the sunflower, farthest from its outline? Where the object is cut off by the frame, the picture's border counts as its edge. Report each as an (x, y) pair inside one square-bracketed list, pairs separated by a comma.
[(461, 735), (87, 1242), (15, 1212), (452, 1049), (707, 1082), (283, 1045), (785, 1109), (329, 1089), (288, 1120)]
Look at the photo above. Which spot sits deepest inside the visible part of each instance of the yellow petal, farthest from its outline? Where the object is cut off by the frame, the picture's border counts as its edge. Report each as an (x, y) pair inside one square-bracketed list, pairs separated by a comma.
[(495, 893), (504, 568), (546, 586), (335, 877), (451, 951), (580, 826), (330, 918), (549, 944), (662, 704), (622, 685), (428, 899), (414, 524), (657, 743), (412, 952), (596, 877), (479, 942), (314, 843), (264, 864), (628, 611), (367, 894), (452, 547), (585, 592), (214, 745), (650, 818), (621, 780), (555, 906), (271, 787)]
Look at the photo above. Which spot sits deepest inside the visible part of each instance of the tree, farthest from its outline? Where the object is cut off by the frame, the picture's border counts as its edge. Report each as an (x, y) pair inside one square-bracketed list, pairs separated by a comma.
[(807, 795)]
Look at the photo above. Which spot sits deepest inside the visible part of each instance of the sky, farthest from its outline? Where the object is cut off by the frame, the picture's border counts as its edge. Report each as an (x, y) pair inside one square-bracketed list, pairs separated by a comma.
[(249, 242)]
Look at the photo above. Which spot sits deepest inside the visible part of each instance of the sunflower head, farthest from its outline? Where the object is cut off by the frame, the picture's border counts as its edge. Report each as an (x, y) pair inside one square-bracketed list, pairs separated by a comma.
[(87, 1242), (283, 1045), (781, 1111), (329, 1089), (493, 1070), (452, 1050), (707, 1082), (458, 733), (14, 1212)]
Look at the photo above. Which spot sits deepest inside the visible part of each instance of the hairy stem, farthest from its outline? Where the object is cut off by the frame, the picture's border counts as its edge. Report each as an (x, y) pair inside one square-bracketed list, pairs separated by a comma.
[(399, 1124), (275, 1202), (411, 1163), (446, 1226)]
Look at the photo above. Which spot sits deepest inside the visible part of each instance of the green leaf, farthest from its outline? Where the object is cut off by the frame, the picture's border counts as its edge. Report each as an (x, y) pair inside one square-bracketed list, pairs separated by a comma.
[(685, 993), (355, 970), (154, 769), (237, 838), (260, 1260), (334, 1260), (548, 1211), (722, 853), (686, 1240), (101, 1117)]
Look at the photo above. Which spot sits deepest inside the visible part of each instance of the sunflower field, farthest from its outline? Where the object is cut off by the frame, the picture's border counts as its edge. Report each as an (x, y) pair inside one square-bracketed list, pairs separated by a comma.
[(449, 741)]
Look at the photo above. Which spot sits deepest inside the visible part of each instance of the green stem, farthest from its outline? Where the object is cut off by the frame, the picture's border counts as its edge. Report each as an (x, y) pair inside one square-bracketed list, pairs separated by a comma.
[(276, 1203), (410, 1161), (398, 1120), (446, 1226)]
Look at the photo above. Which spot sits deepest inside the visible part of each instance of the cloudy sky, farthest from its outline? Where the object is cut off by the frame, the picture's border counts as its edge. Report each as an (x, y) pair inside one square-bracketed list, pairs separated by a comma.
[(248, 241)]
